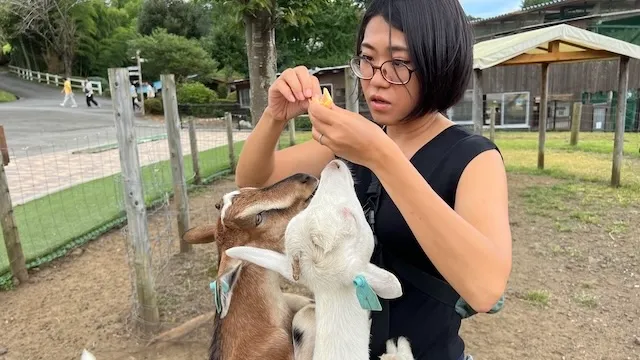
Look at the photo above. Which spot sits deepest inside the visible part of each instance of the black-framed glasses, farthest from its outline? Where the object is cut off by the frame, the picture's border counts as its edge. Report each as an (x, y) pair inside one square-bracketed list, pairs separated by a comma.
[(394, 71)]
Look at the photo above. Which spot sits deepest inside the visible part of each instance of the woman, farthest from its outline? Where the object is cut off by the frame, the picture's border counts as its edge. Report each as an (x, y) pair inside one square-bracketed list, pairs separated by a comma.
[(443, 207)]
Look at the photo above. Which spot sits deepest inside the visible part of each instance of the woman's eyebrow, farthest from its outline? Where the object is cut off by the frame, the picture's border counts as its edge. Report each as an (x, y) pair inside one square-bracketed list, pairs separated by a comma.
[(393, 48)]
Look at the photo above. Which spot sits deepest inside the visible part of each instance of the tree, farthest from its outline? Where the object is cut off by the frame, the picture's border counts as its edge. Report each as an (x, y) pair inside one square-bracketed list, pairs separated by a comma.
[(226, 41), (327, 41), (52, 22), (172, 54), (189, 19), (260, 18), (103, 33)]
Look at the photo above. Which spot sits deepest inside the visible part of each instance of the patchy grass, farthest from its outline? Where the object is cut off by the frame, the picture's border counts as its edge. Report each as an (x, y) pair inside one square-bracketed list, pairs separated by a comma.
[(572, 204), (537, 297), (586, 300), (590, 142), (7, 97)]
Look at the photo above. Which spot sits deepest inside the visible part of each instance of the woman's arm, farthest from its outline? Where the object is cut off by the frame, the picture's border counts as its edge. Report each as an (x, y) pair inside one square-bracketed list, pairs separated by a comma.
[(260, 165), (471, 245)]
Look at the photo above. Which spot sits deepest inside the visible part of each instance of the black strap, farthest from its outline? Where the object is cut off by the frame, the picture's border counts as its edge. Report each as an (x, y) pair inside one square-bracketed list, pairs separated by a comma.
[(380, 319), (419, 279), (427, 283)]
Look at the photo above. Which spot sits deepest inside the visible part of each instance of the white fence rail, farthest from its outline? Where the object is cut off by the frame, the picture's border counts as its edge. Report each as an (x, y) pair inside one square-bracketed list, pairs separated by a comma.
[(57, 80)]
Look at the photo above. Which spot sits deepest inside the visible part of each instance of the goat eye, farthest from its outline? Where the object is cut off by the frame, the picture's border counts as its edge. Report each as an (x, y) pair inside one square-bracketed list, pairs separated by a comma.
[(258, 219)]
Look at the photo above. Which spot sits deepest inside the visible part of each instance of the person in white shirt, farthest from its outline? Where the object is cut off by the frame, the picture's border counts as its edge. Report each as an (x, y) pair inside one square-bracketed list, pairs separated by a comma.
[(88, 93)]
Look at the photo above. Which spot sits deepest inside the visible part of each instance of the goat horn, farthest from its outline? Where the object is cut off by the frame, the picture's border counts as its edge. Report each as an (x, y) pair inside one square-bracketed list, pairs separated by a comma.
[(202, 234)]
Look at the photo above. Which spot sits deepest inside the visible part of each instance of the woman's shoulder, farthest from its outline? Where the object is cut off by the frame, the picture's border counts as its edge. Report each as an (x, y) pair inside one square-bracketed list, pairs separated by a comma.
[(470, 143)]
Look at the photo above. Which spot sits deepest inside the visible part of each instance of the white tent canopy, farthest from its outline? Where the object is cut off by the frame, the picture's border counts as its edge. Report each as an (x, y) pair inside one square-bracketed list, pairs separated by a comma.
[(575, 44), (555, 44)]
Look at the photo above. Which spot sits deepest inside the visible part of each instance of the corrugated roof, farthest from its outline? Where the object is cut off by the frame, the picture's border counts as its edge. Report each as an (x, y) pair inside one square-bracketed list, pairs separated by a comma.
[(493, 52), (524, 10)]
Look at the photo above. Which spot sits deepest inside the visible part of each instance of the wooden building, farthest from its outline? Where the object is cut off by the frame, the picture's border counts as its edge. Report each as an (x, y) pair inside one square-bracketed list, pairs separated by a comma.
[(513, 92), (333, 78)]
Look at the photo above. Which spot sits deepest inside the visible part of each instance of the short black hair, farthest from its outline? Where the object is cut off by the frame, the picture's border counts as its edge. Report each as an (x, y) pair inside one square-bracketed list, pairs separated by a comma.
[(440, 41)]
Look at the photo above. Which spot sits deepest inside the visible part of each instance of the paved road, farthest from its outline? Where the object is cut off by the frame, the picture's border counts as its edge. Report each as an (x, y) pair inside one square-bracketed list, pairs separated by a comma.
[(37, 124)]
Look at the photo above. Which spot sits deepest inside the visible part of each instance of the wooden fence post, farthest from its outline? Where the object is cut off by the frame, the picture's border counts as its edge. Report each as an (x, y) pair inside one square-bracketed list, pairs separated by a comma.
[(352, 102), (542, 123), (146, 297), (292, 132), (193, 142), (492, 124), (232, 159), (4, 149), (576, 116), (12, 243), (618, 140), (172, 122), (478, 102)]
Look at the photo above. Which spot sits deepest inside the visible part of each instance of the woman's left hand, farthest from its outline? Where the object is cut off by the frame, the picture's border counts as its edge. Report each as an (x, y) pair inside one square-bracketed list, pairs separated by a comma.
[(349, 135)]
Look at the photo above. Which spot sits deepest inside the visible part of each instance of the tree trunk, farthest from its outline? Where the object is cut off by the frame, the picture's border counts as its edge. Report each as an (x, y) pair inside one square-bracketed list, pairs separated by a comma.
[(25, 54), (261, 53)]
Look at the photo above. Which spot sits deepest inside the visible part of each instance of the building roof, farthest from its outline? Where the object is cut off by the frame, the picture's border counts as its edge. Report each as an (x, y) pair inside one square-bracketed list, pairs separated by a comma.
[(550, 3), (560, 43)]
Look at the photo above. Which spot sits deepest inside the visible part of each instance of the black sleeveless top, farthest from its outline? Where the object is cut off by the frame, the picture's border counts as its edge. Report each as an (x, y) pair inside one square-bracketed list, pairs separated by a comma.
[(430, 325)]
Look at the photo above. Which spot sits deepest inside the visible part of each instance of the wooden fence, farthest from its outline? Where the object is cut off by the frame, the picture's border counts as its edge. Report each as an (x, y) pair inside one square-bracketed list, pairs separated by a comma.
[(53, 79)]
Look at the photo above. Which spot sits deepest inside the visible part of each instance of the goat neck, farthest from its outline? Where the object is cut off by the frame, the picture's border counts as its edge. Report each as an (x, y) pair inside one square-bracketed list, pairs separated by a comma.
[(257, 304), (342, 326)]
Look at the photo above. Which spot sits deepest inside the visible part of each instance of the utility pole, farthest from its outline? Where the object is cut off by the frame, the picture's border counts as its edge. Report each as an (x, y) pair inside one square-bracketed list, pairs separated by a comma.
[(140, 82)]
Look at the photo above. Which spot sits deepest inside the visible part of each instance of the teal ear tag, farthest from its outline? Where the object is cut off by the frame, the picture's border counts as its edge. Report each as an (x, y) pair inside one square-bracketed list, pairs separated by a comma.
[(366, 296), (216, 294)]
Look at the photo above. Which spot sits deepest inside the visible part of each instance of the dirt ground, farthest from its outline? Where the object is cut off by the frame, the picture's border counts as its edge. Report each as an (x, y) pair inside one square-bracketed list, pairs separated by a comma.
[(574, 292)]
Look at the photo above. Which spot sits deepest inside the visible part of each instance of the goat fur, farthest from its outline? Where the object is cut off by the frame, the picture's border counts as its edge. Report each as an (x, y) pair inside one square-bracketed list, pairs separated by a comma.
[(326, 246), (257, 323)]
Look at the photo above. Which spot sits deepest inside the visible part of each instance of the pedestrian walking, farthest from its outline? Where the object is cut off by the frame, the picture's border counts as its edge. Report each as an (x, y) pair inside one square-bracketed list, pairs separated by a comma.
[(88, 93), (68, 93), (134, 97)]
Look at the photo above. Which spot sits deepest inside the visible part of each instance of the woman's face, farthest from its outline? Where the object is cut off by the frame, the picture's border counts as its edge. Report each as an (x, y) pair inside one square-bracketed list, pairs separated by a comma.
[(388, 103)]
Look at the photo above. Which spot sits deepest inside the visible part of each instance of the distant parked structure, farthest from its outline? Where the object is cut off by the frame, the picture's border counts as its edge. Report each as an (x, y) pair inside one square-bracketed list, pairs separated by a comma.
[(513, 92)]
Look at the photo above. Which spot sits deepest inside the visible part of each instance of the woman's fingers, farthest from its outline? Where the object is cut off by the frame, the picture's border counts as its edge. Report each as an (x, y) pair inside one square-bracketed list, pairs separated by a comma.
[(318, 136), (290, 77), (320, 115), (316, 90), (285, 90), (305, 81)]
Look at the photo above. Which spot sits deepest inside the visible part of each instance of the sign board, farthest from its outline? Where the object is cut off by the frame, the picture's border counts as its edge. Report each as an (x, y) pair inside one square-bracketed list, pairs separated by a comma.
[(4, 149), (132, 68)]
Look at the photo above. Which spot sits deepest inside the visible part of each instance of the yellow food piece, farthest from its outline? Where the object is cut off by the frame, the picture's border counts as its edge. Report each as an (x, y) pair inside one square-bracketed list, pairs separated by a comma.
[(326, 99)]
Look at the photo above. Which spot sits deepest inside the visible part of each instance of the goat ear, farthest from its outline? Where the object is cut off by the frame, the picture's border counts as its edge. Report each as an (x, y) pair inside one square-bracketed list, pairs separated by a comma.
[(267, 259), (385, 284), (225, 285), (202, 234)]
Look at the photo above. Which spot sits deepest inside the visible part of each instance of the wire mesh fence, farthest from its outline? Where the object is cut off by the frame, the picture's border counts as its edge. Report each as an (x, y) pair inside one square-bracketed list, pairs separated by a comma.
[(65, 195)]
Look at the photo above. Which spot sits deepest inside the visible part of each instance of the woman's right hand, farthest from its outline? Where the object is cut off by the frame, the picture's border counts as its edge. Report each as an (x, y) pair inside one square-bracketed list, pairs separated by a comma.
[(289, 95)]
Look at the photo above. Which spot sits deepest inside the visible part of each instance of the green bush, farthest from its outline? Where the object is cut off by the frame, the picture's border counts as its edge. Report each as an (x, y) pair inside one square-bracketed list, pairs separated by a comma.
[(195, 93), (232, 96), (222, 90), (153, 106), (303, 123)]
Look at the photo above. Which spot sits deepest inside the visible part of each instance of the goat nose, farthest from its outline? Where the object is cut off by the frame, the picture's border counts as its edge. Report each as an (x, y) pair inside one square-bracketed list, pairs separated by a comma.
[(305, 178)]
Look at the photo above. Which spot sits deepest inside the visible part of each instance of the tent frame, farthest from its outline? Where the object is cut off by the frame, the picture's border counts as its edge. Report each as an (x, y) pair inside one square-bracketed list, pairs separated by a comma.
[(546, 55)]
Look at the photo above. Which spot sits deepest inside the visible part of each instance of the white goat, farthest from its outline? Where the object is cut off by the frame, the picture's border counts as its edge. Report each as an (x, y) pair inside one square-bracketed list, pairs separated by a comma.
[(328, 247), (257, 323)]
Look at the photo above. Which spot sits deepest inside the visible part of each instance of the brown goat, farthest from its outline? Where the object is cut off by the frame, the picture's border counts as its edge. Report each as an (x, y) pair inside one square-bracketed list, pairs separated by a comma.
[(257, 324)]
